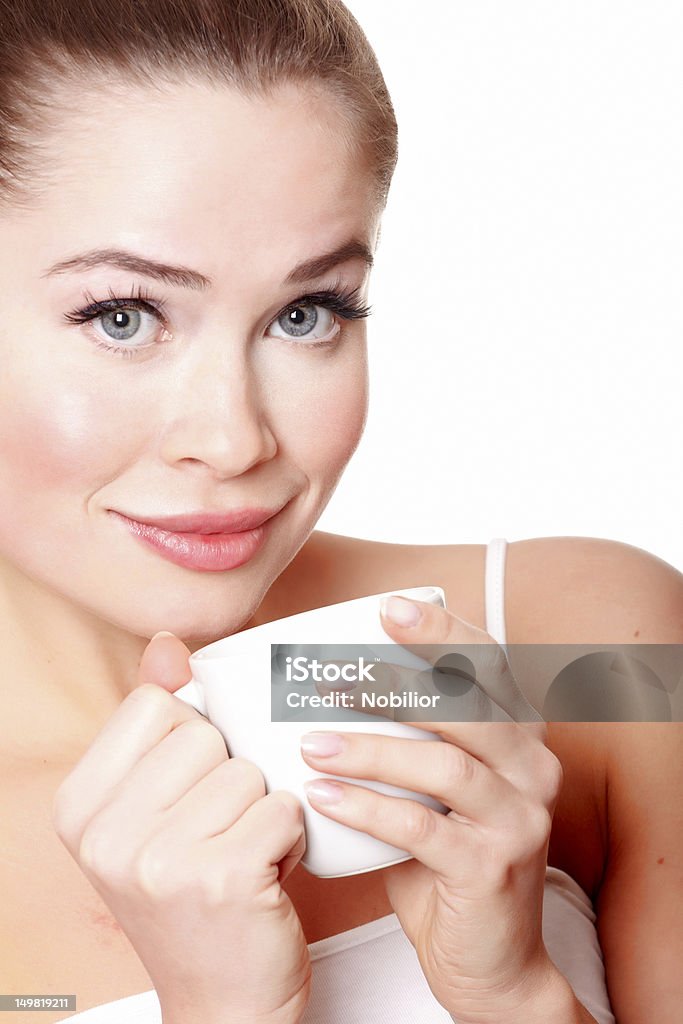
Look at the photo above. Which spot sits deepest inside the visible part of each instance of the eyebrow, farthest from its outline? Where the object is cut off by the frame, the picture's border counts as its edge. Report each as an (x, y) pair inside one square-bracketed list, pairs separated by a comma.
[(186, 278)]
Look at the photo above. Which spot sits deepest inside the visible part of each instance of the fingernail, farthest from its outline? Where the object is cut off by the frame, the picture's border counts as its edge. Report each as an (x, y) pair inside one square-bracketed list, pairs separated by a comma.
[(324, 792), (322, 744), (338, 684), (163, 632), (400, 610)]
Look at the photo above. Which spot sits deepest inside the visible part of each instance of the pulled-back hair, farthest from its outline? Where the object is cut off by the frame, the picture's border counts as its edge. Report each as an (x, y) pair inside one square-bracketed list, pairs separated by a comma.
[(252, 45)]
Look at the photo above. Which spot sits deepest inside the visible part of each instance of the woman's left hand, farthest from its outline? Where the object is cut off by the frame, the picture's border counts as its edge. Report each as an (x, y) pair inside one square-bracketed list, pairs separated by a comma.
[(471, 901)]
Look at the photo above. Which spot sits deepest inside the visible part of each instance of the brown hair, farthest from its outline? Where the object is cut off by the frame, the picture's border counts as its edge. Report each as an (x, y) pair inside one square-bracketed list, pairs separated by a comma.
[(252, 45)]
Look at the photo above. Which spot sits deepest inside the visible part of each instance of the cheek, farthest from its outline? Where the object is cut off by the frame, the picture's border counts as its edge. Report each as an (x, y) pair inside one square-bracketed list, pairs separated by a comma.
[(54, 437), (329, 425)]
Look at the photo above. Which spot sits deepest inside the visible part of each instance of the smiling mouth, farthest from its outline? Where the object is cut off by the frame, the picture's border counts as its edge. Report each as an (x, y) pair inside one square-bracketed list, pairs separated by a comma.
[(205, 551)]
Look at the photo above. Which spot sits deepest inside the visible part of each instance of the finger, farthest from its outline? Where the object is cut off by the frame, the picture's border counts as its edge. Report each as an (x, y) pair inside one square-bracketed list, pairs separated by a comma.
[(165, 662), (441, 770), (508, 747), (394, 692), (288, 863), (172, 767), (437, 840), (397, 690), (438, 633), (140, 722), (515, 750), (269, 830), (210, 806), (387, 681)]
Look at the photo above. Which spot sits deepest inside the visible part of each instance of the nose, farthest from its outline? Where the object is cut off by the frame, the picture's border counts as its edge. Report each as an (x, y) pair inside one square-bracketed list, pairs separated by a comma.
[(216, 417)]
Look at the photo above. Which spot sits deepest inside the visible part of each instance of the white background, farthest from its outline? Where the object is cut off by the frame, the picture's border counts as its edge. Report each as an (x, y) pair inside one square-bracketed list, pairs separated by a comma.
[(525, 341)]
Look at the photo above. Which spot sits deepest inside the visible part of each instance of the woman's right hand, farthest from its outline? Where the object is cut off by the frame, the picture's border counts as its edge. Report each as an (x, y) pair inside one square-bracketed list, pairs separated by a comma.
[(189, 853)]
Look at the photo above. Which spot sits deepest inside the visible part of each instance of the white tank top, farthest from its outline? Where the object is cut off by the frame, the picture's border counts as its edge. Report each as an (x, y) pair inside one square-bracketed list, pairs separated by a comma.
[(371, 974)]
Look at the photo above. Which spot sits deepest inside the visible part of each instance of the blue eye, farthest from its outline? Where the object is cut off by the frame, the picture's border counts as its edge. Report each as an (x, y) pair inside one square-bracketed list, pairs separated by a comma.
[(140, 317), (301, 320), (136, 318), (124, 324), (298, 321)]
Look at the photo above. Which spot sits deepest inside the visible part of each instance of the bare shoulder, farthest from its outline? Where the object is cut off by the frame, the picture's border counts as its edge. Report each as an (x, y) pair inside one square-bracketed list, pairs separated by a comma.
[(615, 828), (621, 778), (557, 589), (590, 590)]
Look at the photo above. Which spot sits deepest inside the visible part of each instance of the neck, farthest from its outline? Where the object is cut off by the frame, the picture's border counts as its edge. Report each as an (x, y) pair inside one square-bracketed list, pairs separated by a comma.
[(64, 670)]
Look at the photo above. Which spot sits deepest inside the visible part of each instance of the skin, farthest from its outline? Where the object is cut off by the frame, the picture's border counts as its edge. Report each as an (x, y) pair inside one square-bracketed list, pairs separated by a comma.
[(217, 415)]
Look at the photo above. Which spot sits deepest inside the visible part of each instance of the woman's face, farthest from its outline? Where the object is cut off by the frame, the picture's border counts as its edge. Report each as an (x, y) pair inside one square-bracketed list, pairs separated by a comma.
[(215, 400)]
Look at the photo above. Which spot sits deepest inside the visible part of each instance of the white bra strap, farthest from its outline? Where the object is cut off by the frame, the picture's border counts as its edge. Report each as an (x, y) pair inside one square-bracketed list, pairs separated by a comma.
[(495, 589)]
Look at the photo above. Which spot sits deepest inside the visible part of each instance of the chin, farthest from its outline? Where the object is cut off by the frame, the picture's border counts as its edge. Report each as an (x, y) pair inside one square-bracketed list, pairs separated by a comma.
[(188, 624), (197, 610), (198, 634)]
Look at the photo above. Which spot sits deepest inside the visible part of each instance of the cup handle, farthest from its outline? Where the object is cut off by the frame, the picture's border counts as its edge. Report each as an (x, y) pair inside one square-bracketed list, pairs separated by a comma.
[(193, 694)]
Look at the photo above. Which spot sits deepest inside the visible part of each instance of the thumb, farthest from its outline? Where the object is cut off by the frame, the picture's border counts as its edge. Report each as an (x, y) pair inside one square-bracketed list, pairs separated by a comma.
[(165, 662), (435, 634)]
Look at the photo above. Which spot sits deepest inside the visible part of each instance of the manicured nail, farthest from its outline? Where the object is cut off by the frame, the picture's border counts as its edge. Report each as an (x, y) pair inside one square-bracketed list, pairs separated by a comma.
[(337, 684), (400, 610), (322, 744), (163, 632), (324, 792)]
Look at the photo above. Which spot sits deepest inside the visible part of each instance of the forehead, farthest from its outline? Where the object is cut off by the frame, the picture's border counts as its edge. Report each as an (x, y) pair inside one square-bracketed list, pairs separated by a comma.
[(203, 169)]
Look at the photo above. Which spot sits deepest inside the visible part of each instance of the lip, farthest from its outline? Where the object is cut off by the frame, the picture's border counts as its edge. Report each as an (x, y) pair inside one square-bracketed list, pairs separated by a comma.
[(211, 542), (208, 522)]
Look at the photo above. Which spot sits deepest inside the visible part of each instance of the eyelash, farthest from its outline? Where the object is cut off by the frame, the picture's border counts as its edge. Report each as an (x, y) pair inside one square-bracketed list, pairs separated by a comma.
[(343, 303)]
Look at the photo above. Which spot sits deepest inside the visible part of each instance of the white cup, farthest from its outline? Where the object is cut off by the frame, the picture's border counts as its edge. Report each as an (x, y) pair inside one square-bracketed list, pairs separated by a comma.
[(231, 686)]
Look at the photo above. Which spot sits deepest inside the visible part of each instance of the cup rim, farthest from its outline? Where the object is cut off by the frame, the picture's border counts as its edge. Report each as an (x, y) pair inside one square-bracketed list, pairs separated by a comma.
[(211, 652)]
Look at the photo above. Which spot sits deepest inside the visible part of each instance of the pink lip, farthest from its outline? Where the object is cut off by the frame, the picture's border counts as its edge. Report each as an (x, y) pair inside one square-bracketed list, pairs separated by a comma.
[(212, 542), (209, 522)]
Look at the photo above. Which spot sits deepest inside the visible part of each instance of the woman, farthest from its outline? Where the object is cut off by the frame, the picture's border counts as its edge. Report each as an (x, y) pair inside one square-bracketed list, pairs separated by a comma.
[(190, 198)]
